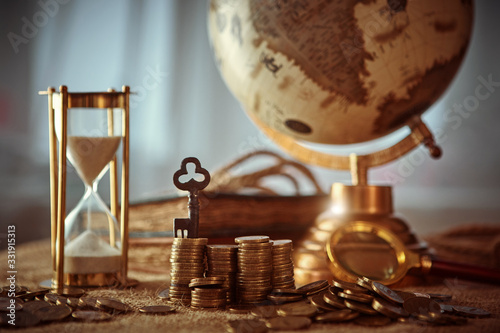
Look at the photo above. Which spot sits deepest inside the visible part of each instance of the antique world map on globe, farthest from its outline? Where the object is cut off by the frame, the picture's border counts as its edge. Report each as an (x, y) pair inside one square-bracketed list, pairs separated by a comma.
[(338, 71)]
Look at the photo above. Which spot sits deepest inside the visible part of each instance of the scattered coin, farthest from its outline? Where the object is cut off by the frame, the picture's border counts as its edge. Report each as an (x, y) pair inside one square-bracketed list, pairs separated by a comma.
[(68, 291), (87, 303), (30, 295), (297, 309), (288, 323), (266, 311), (282, 299), (364, 282), (112, 305), (89, 315), (386, 293), (157, 309), (246, 325), (363, 298), (336, 316), (314, 287), (468, 311), (32, 306), (373, 321), (360, 307), (421, 305), (388, 309), (347, 285), (333, 300), (53, 313), (446, 308), (440, 297), (241, 309), (439, 319), (319, 301), (164, 294)]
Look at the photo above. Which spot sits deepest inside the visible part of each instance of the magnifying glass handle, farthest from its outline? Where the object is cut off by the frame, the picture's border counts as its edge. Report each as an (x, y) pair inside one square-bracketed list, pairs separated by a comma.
[(445, 268)]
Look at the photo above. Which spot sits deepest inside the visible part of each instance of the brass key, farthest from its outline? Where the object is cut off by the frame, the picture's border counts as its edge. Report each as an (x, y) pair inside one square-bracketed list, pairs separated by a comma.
[(188, 227)]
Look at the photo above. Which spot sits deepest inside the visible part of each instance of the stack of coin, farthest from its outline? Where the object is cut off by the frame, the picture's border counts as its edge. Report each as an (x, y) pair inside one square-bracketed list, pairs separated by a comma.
[(187, 261), (208, 293), (222, 262), (282, 277), (255, 266)]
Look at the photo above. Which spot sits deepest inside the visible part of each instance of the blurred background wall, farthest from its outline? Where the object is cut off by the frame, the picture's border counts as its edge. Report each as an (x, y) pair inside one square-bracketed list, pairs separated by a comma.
[(182, 108)]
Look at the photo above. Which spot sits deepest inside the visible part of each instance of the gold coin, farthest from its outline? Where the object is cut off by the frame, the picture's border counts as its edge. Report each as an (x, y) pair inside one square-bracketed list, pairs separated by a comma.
[(446, 308), (283, 291), (266, 311), (355, 292), (88, 315), (208, 304), (112, 305), (157, 309), (33, 293), (68, 291), (197, 241), (222, 248), (72, 302), (240, 309), (365, 283), (388, 309), (440, 297), (206, 281), (421, 305), (164, 294), (346, 285), (252, 239), (360, 307), (246, 325), (297, 309), (52, 298), (336, 316), (358, 298), (314, 286), (32, 306), (276, 299), (333, 300), (468, 311), (288, 323), (53, 313), (439, 319), (319, 302), (282, 243), (87, 303), (386, 293), (373, 321)]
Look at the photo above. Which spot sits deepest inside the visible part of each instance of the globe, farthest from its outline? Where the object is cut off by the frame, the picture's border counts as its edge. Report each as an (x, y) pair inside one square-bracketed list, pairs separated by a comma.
[(338, 72)]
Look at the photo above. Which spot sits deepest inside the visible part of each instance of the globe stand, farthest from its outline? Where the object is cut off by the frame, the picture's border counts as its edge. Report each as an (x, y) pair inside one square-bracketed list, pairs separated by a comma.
[(355, 202)]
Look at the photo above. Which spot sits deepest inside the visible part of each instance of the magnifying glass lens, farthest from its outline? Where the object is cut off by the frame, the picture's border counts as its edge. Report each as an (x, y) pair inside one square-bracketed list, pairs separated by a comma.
[(366, 254)]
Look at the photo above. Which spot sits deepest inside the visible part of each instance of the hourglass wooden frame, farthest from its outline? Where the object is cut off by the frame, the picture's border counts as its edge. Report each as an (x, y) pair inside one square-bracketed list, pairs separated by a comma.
[(62, 101)]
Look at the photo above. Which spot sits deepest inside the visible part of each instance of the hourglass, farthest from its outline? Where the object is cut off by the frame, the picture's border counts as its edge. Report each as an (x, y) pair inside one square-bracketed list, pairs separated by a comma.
[(89, 246)]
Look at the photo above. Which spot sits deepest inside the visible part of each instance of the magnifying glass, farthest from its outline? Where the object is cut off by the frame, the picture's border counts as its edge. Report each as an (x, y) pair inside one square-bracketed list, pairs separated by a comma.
[(367, 249)]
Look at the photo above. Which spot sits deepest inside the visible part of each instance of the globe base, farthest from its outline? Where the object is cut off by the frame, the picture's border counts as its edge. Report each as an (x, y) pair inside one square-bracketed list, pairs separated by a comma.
[(350, 203)]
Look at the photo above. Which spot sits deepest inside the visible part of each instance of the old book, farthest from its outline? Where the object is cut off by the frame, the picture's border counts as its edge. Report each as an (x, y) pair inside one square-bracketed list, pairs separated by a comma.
[(228, 215)]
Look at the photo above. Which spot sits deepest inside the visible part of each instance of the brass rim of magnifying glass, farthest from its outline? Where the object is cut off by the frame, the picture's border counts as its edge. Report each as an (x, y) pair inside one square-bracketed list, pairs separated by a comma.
[(366, 227)]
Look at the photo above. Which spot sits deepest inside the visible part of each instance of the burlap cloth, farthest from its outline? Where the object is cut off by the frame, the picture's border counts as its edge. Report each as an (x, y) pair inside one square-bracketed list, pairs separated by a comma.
[(472, 244)]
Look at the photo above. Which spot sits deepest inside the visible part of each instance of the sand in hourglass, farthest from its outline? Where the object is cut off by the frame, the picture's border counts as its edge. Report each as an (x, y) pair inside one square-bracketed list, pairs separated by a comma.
[(90, 155), (87, 254)]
